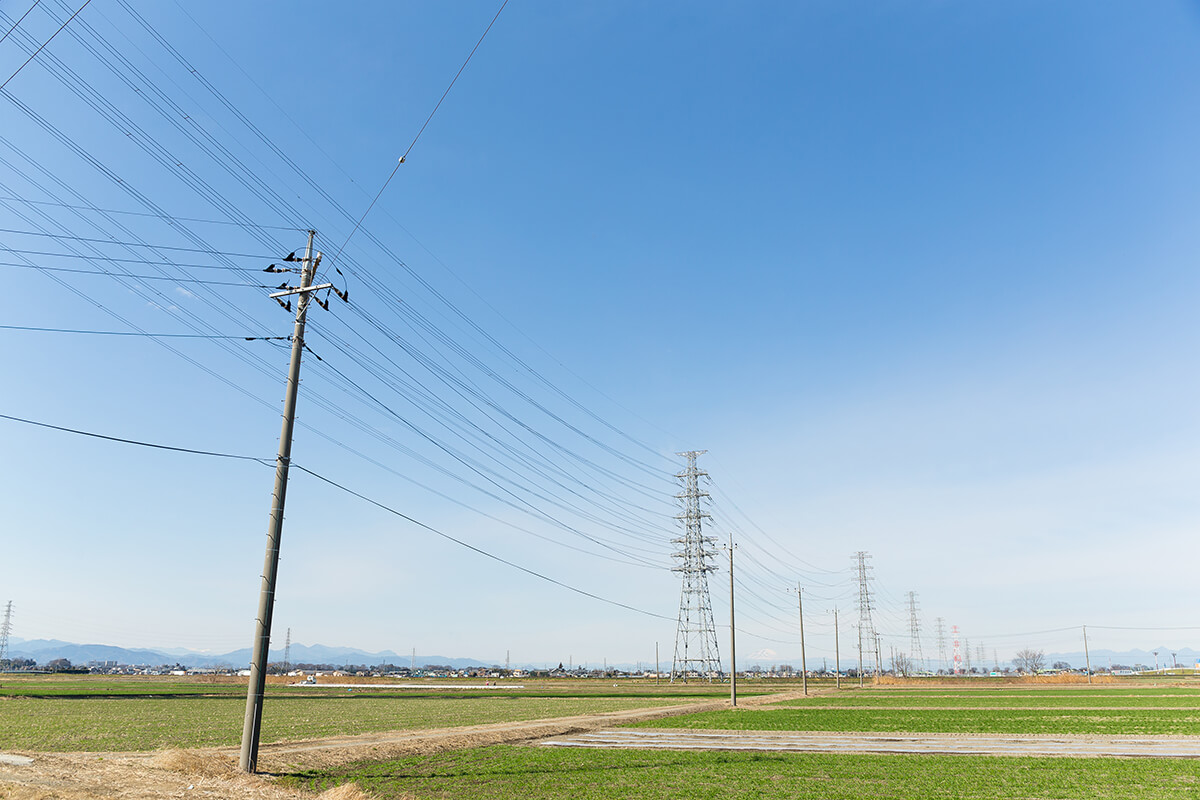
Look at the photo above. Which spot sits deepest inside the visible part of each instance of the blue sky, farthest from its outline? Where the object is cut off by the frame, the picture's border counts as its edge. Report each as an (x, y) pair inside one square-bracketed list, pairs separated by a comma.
[(919, 277)]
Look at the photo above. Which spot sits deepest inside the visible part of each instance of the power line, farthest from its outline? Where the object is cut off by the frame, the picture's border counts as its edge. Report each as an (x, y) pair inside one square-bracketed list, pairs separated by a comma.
[(137, 442), (478, 550), (167, 217), (68, 237), (176, 279), (19, 21), (35, 52), (143, 333), (418, 136)]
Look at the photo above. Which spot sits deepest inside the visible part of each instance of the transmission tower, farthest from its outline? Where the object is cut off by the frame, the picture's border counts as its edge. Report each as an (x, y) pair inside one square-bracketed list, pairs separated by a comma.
[(5, 630), (287, 652), (967, 654), (914, 631), (957, 650), (941, 640), (865, 626), (696, 633), (981, 657)]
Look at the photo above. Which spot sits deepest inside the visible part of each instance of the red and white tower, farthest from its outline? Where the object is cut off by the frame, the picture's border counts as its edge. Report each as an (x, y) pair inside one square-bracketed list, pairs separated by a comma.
[(957, 651)]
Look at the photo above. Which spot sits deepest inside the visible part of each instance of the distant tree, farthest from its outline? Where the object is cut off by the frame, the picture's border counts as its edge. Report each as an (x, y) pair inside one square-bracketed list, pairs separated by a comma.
[(1030, 660), (59, 664), (1062, 665), (903, 665)]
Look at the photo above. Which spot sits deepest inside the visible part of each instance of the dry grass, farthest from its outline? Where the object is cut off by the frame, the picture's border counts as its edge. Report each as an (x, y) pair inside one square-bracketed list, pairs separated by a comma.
[(201, 763), (350, 791), (988, 683)]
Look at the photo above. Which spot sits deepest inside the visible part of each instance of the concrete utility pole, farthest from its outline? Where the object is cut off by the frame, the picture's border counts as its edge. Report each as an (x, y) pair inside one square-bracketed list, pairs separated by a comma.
[(656, 668), (1087, 656), (732, 634), (837, 653), (803, 662), (266, 602)]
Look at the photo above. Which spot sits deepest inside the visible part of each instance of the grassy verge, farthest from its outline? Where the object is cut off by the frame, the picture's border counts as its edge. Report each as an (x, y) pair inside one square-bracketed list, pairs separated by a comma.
[(142, 723), (534, 773), (1045, 721)]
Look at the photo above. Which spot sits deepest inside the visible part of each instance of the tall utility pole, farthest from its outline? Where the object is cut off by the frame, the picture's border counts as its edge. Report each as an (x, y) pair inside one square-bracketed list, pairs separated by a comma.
[(5, 630), (1086, 655), (837, 653), (803, 662), (732, 634), (914, 631), (696, 633), (656, 668), (266, 601), (865, 626), (941, 643)]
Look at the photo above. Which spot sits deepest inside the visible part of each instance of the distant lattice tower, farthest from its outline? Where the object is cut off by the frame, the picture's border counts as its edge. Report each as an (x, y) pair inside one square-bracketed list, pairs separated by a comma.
[(696, 632), (914, 631), (287, 653), (941, 643), (957, 650), (866, 626), (5, 630)]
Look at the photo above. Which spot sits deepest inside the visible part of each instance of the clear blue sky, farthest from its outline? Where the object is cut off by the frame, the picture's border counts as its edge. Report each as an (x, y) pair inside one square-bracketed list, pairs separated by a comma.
[(920, 277)]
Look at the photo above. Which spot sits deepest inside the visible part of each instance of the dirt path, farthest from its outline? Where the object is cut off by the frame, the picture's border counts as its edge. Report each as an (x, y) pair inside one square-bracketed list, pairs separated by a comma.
[(211, 773)]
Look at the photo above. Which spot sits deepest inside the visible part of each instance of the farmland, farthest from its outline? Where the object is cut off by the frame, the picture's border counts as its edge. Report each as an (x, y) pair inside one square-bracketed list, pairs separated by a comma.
[(50, 714)]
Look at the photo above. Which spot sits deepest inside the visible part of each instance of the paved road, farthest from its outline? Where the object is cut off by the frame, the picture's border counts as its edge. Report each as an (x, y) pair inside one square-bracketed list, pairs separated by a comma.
[(796, 741)]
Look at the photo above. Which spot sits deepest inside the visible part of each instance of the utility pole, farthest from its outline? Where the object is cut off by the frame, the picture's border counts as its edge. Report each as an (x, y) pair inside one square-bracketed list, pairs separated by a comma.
[(732, 634), (803, 662), (1086, 655), (656, 669), (837, 653), (252, 724)]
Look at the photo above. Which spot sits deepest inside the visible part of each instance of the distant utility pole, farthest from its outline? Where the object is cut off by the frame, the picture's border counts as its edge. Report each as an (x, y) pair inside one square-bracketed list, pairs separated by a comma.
[(287, 651), (914, 631), (507, 653), (5, 630), (732, 634), (266, 601), (941, 643), (1087, 657), (837, 653), (695, 633), (656, 668), (803, 661)]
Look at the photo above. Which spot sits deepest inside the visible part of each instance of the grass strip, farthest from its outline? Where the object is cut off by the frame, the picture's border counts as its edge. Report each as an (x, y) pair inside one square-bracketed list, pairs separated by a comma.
[(543, 773)]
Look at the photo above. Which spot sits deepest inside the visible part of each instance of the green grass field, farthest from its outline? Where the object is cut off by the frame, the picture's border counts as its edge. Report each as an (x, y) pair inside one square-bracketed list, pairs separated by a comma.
[(537, 773), (149, 723), (1011, 698)]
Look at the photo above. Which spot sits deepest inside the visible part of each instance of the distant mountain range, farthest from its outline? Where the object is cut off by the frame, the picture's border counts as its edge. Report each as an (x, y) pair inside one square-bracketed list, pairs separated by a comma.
[(45, 650)]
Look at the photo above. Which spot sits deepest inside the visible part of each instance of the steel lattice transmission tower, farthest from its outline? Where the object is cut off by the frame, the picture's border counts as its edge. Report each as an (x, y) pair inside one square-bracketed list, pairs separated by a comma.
[(865, 626), (5, 630), (941, 640), (696, 633), (914, 631), (287, 653)]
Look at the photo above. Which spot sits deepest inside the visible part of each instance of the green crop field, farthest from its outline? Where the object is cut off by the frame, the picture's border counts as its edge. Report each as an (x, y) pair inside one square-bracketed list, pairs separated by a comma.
[(1137, 698), (534, 773), (941, 720), (147, 723)]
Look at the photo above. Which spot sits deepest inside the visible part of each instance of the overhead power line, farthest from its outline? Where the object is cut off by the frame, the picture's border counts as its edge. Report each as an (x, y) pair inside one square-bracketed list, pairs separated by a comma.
[(422, 130), (137, 442), (48, 41), (143, 333)]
